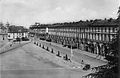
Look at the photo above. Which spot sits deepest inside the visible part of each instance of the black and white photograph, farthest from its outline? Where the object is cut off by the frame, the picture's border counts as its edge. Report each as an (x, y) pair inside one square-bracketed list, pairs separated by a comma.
[(59, 38)]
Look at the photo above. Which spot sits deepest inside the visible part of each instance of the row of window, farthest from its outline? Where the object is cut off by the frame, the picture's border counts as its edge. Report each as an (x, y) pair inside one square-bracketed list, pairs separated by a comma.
[(15, 35), (93, 33), (101, 37), (95, 29)]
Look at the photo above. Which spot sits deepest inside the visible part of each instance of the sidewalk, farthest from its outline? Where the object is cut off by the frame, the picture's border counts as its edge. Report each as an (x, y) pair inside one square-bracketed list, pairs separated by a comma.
[(77, 56), (80, 51)]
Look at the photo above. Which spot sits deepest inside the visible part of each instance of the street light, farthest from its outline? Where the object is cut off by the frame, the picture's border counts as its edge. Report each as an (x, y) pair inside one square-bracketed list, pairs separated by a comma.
[(71, 51)]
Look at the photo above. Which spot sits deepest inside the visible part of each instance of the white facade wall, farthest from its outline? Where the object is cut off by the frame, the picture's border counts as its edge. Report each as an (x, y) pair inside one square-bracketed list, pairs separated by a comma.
[(15, 35)]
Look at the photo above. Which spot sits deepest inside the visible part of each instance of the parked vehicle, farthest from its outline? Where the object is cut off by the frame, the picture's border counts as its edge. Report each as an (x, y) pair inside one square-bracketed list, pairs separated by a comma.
[(86, 67), (25, 39)]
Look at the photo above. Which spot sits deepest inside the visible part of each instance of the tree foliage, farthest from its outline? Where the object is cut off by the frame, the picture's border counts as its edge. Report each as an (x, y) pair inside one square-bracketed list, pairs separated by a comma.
[(110, 70)]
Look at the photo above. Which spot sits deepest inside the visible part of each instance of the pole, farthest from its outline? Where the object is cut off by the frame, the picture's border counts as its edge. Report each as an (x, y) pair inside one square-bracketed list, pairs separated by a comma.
[(71, 52)]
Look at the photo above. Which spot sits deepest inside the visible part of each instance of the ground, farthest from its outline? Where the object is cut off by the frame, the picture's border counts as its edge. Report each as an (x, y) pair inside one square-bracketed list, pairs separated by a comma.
[(18, 63), (27, 61)]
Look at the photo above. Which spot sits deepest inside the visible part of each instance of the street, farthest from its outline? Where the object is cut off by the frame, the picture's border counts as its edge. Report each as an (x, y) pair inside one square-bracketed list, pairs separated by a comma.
[(19, 63)]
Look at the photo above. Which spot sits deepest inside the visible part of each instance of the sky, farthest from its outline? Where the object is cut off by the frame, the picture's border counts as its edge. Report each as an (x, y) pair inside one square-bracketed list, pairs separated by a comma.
[(27, 12)]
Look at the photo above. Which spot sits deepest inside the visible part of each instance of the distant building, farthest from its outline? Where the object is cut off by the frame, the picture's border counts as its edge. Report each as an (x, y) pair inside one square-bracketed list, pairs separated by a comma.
[(3, 32), (17, 32)]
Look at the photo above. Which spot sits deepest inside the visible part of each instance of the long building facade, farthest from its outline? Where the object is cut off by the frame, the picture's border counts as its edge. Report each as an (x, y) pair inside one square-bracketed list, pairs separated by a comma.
[(86, 36)]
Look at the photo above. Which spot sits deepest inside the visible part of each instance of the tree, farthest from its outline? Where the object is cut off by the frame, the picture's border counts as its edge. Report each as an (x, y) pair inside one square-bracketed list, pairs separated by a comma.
[(110, 19), (119, 11), (110, 70), (118, 14)]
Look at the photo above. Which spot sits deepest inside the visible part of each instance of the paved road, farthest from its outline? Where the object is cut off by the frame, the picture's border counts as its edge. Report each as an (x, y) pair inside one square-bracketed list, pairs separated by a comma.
[(77, 56), (18, 63)]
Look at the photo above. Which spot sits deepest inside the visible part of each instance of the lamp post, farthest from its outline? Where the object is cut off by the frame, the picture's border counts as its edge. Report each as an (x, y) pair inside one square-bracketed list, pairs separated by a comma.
[(71, 51)]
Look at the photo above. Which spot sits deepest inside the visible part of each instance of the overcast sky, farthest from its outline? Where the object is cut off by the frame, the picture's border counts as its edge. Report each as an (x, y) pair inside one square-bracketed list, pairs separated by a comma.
[(26, 12)]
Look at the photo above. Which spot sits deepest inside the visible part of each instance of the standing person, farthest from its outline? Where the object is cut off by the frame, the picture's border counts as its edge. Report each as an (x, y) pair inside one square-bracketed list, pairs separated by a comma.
[(106, 49), (98, 50), (102, 50), (89, 47), (92, 48)]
